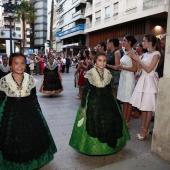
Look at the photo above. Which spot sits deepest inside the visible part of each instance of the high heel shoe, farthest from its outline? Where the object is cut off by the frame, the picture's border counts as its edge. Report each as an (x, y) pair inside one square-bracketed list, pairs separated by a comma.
[(145, 136)]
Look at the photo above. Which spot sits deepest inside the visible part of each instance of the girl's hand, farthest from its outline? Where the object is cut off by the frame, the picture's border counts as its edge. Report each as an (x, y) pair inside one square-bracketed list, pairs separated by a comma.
[(114, 67), (108, 65), (119, 67), (75, 73), (83, 112), (134, 56)]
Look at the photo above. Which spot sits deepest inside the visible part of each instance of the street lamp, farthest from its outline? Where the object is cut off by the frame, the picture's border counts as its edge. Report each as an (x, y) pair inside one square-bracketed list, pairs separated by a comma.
[(10, 8)]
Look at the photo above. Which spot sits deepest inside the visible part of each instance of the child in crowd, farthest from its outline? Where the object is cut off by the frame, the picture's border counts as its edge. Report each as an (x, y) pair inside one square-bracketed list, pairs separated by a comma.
[(99, 127), (4, 67), (51, 83), (25, 139)]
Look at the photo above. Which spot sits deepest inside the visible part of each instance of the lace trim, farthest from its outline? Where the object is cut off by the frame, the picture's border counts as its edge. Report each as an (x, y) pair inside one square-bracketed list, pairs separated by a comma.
[(8, 85), (5, 69), (94, 78), (51, 67)]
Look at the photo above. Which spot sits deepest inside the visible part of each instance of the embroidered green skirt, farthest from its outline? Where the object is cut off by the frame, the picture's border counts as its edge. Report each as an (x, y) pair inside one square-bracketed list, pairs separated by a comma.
[(103, 130)]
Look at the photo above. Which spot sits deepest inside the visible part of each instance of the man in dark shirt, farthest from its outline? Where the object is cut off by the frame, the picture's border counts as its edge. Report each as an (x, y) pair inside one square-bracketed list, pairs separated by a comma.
[(160, 67), (68, 63)]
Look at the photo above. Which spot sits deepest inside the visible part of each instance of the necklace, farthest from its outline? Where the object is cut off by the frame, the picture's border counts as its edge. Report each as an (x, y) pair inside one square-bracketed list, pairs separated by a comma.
[(101, 76), (19, 86)]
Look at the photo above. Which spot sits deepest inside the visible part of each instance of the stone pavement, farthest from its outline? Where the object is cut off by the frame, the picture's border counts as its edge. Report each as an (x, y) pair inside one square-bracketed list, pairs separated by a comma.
[(60, 111), (146, 161)]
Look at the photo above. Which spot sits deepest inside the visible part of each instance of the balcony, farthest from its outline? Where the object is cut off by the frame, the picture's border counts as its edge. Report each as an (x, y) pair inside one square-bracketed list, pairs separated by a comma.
[(60, 1), (59, 9), (98, 3), (78, 13), (61, 22), (89, 1), (8, 23), (88, 11), (88, 25), (147, 4), (6, 15), (73, 1), (69, 31)]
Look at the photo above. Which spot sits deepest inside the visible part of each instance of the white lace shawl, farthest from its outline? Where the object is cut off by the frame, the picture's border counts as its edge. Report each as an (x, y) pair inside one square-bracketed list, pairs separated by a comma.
[(5, 69), (9, 86), (94, 78), (51, 67)]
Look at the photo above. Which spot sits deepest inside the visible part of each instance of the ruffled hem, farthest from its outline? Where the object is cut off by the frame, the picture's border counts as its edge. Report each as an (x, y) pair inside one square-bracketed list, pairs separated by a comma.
[(42, 160), (51, 92), (144, 101)]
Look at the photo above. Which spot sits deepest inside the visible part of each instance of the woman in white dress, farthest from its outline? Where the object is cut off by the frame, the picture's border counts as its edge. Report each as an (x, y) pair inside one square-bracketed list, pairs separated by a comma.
[(31, 66), (127, 79), (145, 92)]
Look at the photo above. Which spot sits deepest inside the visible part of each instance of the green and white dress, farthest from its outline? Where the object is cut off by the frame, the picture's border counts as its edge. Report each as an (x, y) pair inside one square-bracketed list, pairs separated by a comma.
[(25, 139), (103, 130)]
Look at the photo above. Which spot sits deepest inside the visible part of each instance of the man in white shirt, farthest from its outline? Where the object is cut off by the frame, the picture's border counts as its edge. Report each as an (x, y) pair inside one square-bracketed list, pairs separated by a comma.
[(63, 61)]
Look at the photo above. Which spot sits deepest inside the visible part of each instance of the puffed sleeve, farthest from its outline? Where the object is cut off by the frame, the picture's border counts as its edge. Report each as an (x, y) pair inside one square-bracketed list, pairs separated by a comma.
[(86, 88), (34, 97), (2, 93)]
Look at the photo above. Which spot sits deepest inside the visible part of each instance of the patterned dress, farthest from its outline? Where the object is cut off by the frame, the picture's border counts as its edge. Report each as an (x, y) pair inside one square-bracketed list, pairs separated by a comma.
[(126, 81), (103, 130), (25, 139)]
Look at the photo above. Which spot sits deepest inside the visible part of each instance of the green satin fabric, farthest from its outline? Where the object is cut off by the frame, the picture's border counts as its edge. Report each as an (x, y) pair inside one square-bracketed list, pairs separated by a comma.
[(83, 143)]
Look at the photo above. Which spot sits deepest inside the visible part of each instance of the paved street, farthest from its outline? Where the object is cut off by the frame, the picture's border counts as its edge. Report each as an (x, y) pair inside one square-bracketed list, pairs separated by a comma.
[(60, 111)]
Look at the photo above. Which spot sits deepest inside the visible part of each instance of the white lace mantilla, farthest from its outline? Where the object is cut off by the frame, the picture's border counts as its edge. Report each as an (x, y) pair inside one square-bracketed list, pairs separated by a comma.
[(9, 86), (51, 66), (94, 78), (5, 69)]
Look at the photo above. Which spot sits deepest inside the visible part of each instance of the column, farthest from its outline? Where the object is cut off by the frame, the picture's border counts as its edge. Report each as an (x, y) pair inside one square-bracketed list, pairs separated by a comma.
[(161, 132)]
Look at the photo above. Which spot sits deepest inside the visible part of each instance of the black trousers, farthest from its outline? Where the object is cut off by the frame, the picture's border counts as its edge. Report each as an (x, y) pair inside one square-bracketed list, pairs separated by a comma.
[(63, 68), (28, 68), (67, 68)]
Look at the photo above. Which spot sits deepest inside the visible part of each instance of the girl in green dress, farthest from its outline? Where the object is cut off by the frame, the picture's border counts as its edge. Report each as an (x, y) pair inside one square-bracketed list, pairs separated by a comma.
[(99, 128)]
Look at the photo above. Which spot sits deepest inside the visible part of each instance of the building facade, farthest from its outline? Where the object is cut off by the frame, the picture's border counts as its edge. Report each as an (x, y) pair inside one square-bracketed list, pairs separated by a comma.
[(39, 28), (116, 18), (16, 25), (70, 27)]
